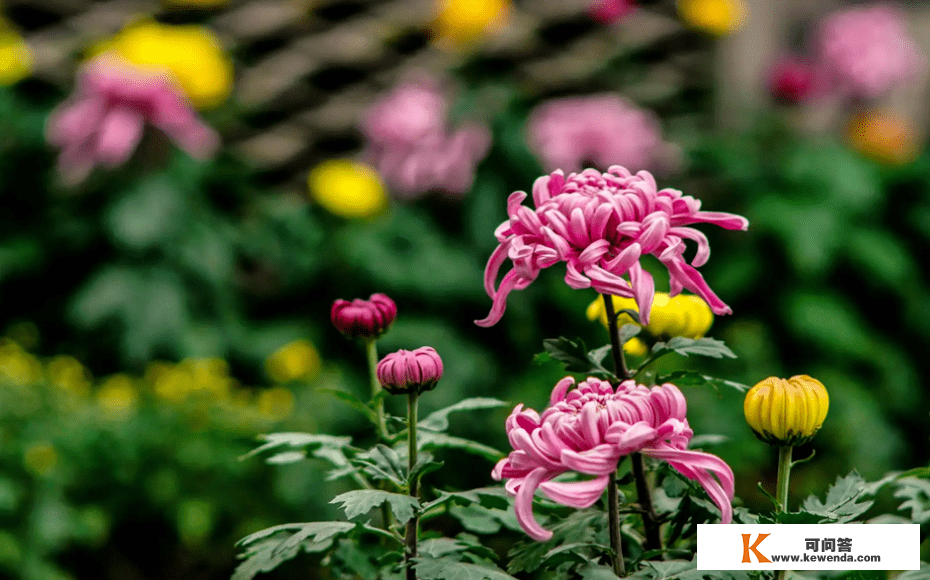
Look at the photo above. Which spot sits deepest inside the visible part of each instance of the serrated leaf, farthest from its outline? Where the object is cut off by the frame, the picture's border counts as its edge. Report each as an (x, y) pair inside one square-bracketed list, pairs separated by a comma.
[(841, 504), (574, 355), (580, 552), (448, 569), (580, 526), (439, 420), (599, 354), (696, 379), (489, 497), (592, 571), (697, 346), (286, 457), (298, 440), (353, 401), (628, 331), (916, 495), (267, 549), (463, 544), (430, 440), (382, 462), (361, 501)]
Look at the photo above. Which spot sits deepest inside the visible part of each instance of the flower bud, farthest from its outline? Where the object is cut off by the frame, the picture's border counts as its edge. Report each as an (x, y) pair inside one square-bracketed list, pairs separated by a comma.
[(786, 411), (405, 371), (363, 318), (682, 315)]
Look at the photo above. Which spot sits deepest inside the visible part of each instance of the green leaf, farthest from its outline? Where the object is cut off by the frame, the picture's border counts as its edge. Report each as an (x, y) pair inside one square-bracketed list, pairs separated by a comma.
[(448, 569), (361, 501), (382, 462), (574, 355), (290, 441), (916, 495), (430, 440), (353, 401), (696, 379), (628, 331), (464, 544), (592, 571), (697, 346), (150, 213), (488, 497), (842, 503), (580, 527), (425, 464), (267, 549), (439, 420), (579, 552)]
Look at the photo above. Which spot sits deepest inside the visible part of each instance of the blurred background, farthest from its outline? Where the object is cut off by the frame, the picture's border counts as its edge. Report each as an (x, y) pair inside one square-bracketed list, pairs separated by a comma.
[(186, 186)]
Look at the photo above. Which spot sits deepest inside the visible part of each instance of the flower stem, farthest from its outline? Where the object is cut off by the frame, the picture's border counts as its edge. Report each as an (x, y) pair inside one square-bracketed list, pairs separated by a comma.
[(781, 494), (372, 350), (411, 539), (613, 518), (644, 495), (616, 348)]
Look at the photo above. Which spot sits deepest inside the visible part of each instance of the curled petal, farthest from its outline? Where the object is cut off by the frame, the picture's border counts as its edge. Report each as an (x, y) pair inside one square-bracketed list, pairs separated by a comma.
[(523, 506), (561, 387), (500, 300), (643, 291), (600, 460), (580, 494), (703, 467), (686, 276)]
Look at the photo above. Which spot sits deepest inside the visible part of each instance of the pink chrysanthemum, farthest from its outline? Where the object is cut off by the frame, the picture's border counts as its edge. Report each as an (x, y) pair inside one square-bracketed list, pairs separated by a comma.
[(588, 430), (867, 50), (609, 11), (413, 148), (600, 225), (103, 122), (603, 129)]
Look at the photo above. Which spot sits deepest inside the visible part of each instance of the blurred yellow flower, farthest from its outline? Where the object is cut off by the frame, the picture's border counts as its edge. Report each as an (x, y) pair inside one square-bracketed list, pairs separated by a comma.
[(17, 366), (40, 458), (786, 411), (681, 315), (717, 17), (296, 360), (883, 137), (347, 188), (15, 55), (68, 374), (275, 403), (192, 54), (117, 395), (462, 22)]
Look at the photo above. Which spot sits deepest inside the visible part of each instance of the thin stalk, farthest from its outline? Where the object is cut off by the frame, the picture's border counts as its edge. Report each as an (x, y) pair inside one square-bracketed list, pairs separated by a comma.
[(411, 540), (644, 495), (616, 348), (613, 518), (781, 494), (372, 351)]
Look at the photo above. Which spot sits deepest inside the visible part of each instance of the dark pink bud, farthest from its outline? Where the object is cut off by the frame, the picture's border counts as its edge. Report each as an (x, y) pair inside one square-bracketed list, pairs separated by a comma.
[(407, 371), (793, 80), (609, 11), (363, 318)]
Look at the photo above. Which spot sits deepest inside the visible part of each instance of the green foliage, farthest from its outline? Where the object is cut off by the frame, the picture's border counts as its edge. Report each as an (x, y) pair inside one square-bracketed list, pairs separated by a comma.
[(575, 356), (359, 502)]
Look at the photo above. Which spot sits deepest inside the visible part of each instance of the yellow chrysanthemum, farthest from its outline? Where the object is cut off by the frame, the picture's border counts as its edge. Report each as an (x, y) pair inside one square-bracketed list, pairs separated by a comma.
[(717, 17), (17, 366), (275, 403), (117, 395), (884, 137), (40, 458), (347, 188), (296, 360), (192, 54), (682, 315), (462, 22), (786, 411), (68, 374), (15, 56)]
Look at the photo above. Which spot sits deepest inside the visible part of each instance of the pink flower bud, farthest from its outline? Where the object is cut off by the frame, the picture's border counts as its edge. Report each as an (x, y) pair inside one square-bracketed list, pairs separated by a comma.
[(407, 371), (793, 80), (363, 318)]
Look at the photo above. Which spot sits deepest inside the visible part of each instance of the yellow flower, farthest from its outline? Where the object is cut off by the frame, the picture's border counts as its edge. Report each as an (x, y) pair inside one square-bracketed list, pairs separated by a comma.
[(192, 54), (717, 17), (17, 366), (883, 137), (15, 55), (786, 411), (296, 360), (347, 188), (40, 458), (117, 395), (462, 22), (68, 374), (681, 315), (275, 403)]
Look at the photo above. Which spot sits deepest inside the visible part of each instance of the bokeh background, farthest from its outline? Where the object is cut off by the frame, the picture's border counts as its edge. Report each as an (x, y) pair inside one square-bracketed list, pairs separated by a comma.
[(166, 307)]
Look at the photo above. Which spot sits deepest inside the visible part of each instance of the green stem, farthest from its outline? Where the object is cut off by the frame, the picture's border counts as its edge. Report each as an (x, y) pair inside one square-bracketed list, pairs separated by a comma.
[(644, 495), (372, 350), (616, 348), (411, 539), (781, 494), (613, 517)]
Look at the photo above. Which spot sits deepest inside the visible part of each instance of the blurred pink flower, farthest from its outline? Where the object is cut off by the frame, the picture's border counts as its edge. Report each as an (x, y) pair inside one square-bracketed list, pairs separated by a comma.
[(600, 224), (611, 10), (411, 145), (588, 430), (603, 129), (104, 120), (793, 79), (867, 51)]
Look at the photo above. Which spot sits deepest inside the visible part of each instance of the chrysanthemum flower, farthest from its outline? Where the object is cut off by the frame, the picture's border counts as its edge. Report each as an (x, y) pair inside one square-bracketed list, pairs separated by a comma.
[(588, 430), (867, 50), (600, 225)]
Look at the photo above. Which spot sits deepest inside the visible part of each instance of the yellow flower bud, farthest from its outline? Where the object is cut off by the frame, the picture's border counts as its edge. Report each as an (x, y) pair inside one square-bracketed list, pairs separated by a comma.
[(681, 315), (15, 55), (294, 361), (717, 17), (347, 188), (786, 411), (462, 22)]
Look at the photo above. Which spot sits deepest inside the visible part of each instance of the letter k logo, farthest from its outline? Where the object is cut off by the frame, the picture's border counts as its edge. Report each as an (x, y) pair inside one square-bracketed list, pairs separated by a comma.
[(746, 547)]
